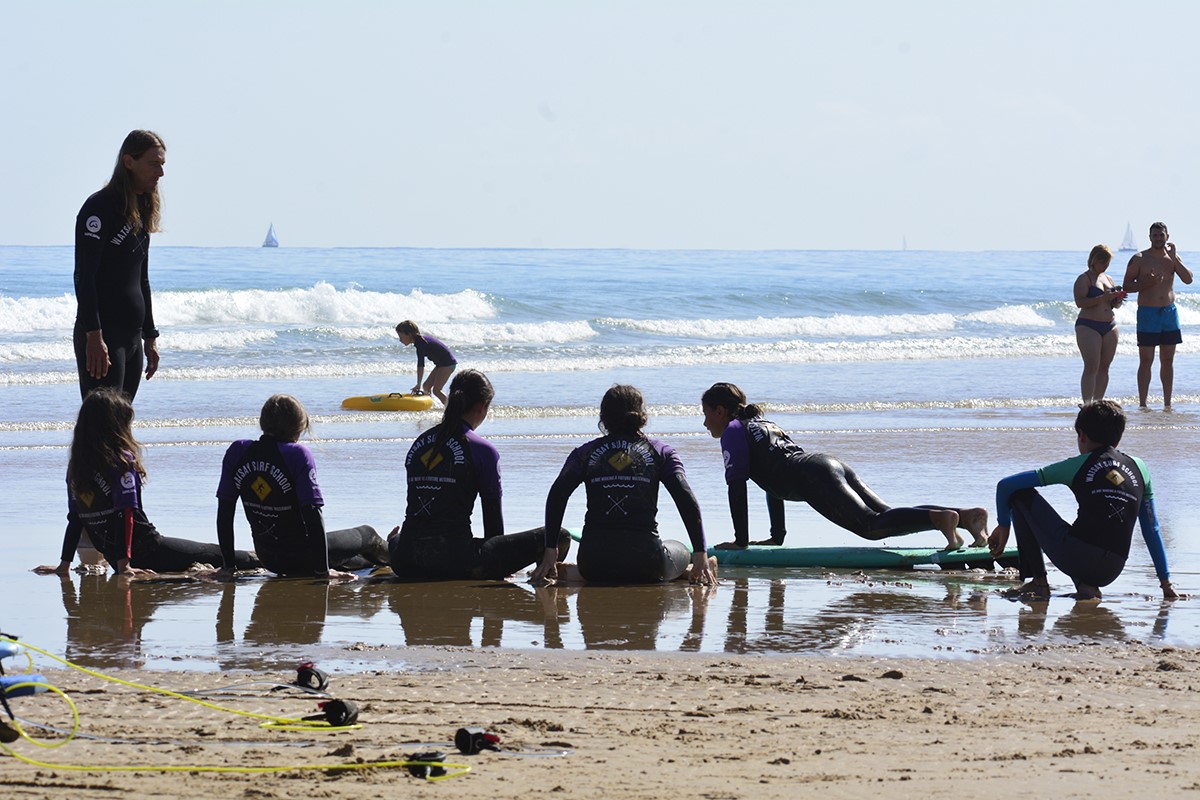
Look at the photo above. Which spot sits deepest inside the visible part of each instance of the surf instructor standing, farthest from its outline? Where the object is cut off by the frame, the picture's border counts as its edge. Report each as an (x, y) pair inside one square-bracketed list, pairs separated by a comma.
[(115, 338)]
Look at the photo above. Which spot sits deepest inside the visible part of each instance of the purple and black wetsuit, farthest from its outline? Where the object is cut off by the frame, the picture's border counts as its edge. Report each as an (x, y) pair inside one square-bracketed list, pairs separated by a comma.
[(758, 450), (277, 484), (620, 541), (447, 470), (102, 512), (435, 349)]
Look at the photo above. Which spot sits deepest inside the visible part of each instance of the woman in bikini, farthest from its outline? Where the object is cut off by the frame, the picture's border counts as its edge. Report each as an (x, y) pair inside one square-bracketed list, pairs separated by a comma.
[(1095, 331)]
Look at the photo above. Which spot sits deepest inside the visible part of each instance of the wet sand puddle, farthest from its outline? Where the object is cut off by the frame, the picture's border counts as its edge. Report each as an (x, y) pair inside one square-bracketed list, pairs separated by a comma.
[(260, 624)]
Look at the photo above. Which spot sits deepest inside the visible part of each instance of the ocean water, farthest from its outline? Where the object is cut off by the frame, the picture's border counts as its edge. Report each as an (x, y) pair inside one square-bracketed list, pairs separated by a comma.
[(933, 373)]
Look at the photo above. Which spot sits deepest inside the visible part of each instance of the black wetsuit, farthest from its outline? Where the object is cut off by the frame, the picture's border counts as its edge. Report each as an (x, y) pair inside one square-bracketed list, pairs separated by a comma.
[(445, 475), (112, 287), (620, 541), (102, 512), (277, 483), (758, 450)]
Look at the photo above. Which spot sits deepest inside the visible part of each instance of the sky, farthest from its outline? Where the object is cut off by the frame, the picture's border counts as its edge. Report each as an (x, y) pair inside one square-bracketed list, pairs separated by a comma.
[(955, 125)]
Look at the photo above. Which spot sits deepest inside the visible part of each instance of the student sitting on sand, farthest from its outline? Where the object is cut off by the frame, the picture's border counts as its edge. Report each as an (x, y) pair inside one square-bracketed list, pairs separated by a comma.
[(1112, 489), (622, 471), (443, 360), (448, 466), (276, 479), (104, 496), (758, 450)]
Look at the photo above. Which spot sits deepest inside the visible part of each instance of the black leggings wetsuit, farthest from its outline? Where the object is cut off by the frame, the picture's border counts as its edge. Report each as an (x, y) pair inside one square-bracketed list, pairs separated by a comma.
[(835, 491), (440, 557), (177, 555), (351, 548), (1040, 529), (127, 363), (631, 557)]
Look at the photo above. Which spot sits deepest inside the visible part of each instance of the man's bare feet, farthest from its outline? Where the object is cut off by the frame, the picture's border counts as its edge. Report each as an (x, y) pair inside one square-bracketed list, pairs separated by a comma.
[(729, 546), (946, 521), (1084, 591), (1035, 589), (769, 543), (974, 521)]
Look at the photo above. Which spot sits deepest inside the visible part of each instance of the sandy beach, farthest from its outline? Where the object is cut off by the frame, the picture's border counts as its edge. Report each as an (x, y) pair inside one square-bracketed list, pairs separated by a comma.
[(1068, 721)]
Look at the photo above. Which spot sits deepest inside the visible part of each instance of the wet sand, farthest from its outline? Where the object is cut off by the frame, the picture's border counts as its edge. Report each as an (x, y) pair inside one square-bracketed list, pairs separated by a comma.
[(1066, 721)]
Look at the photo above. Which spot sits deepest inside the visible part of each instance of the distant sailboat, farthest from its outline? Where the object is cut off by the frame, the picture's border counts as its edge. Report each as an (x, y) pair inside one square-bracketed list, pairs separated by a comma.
[(271, 241), (1127, 244)]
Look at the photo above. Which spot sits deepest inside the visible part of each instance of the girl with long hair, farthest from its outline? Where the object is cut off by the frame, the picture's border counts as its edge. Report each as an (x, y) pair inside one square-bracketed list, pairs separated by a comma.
[(104, 482), (758, 450)]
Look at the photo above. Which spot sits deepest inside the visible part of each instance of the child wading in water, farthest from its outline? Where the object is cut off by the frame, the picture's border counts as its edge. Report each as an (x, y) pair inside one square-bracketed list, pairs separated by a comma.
[(443, 360)]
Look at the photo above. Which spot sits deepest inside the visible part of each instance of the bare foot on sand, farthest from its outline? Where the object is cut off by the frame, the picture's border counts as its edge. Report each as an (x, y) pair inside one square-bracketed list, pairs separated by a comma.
[(1085, 592), (946, 521), (1035, 589), (974, 521)]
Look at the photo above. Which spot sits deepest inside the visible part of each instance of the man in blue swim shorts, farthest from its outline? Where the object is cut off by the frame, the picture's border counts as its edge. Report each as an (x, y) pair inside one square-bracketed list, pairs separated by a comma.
[(1151, 275)]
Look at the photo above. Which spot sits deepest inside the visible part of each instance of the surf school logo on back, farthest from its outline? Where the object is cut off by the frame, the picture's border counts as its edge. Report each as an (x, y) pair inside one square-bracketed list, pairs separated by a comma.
[(261, 487), (620, 460)]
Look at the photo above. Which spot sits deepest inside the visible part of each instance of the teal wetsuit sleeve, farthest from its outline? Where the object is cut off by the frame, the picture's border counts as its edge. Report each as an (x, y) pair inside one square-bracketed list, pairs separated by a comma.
[(1005, 489), (1148, 520), (1148, 491), (1062, 472)]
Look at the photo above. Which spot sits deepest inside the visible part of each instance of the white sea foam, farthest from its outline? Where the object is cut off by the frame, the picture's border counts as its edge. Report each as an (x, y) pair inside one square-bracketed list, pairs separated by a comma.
[(321, 303), (599, 359), (774, 327), (1015, 316), (22, 314)]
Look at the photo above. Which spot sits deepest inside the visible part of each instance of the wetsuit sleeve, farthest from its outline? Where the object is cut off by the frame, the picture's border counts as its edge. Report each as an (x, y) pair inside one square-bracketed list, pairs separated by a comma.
[(1148, 488), (493, 517), (1062, 472), (1148, 520), (226, 508), (778, 518), (71, 535), (90, 225), (314, 539), (689, 508), (1005, 489), (740, 512), (735, 448), (148, 329), (226, 489), (299, 463), (556, 500), (486, 461)]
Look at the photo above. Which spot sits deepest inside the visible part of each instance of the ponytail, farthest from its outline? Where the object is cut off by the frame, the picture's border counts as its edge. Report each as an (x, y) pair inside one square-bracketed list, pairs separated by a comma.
[(468, 388), (623, 411), (732, 399)]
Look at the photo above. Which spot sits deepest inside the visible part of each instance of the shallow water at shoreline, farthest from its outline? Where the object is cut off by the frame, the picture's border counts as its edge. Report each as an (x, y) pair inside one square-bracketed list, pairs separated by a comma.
[(264, 625)]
